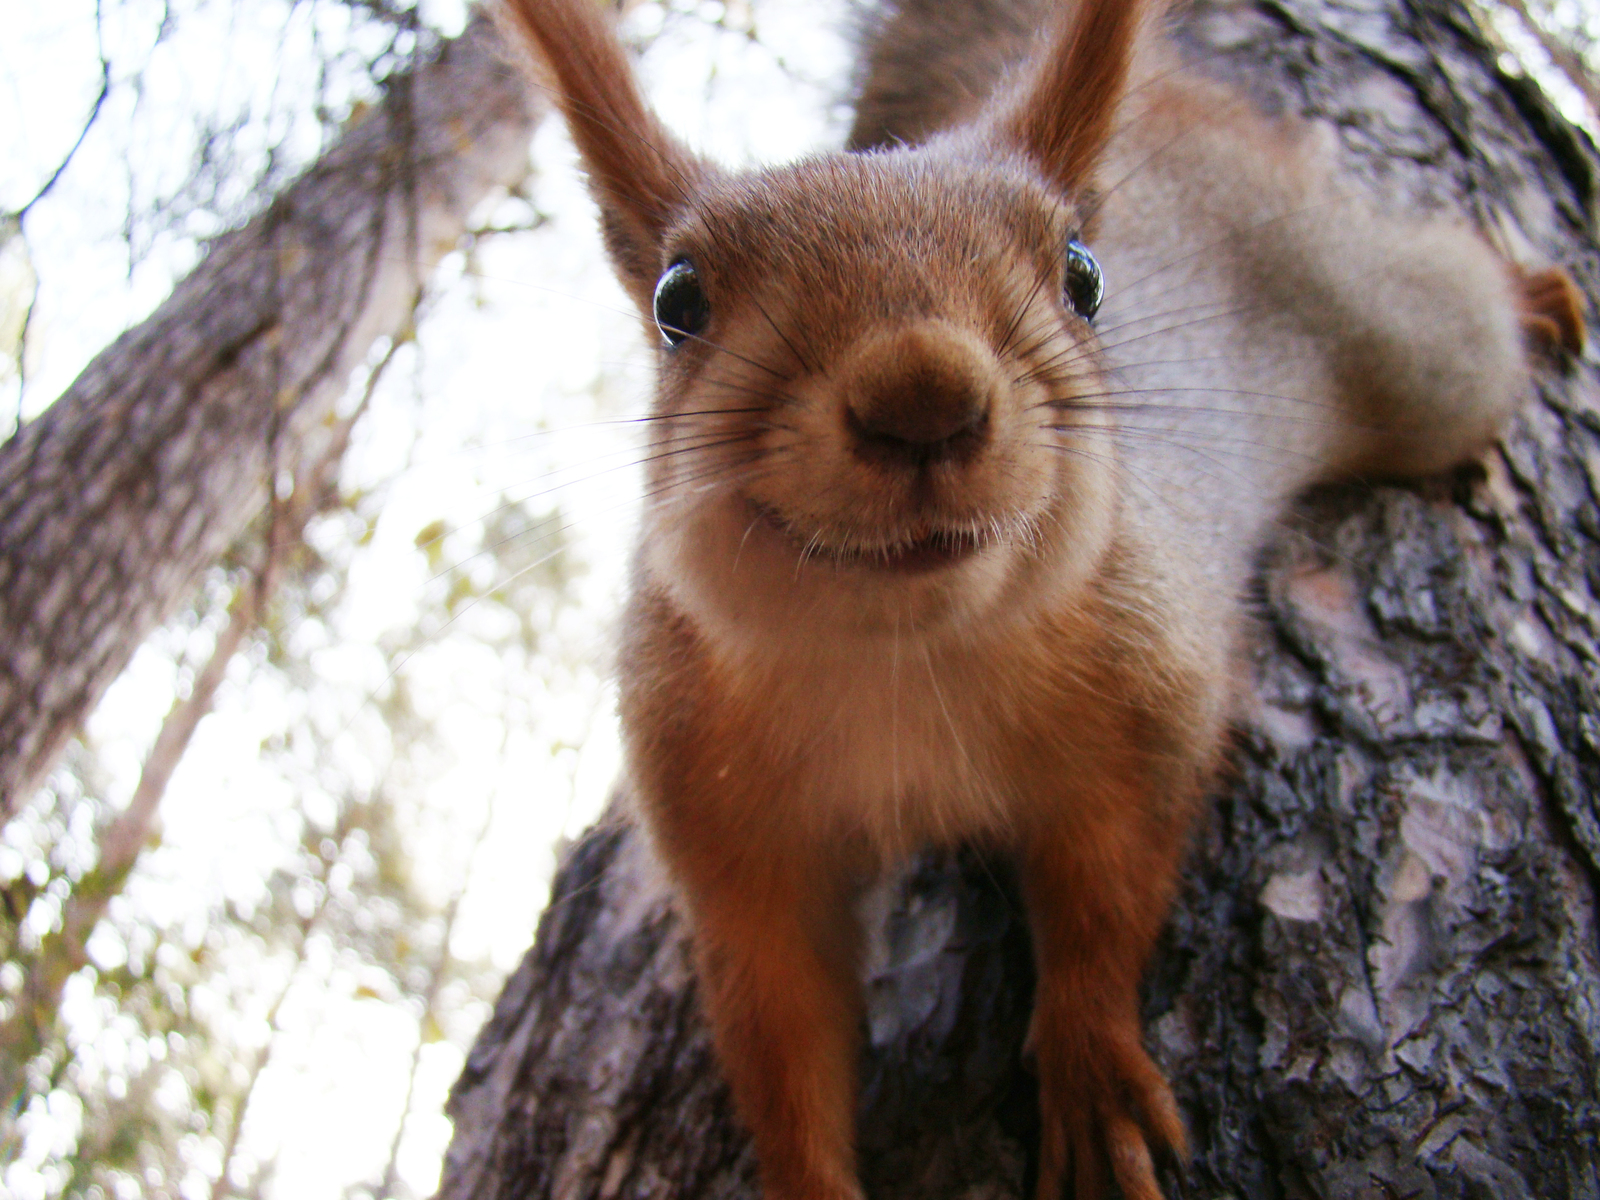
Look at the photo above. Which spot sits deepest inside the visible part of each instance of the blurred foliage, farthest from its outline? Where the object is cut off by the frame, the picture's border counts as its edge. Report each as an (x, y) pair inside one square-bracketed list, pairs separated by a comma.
[(164, 1037), (1558, 43)]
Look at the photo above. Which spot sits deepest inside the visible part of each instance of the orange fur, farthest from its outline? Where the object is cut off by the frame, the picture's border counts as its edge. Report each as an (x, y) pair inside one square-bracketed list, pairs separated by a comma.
[(643, 175), (929, 558), (1552, 310), (1066, 119)]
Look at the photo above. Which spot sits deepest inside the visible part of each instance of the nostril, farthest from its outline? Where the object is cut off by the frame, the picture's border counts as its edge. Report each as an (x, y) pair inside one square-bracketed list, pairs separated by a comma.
[(877, 445), (918, 421)]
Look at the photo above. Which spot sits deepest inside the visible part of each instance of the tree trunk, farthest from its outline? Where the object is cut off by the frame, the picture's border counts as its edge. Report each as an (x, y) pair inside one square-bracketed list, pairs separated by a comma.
[(1381, 979), (115, 500)]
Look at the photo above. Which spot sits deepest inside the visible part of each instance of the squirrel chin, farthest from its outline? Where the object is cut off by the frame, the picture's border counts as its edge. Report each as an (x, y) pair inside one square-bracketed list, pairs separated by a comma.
[(934, 545), (969, 589)]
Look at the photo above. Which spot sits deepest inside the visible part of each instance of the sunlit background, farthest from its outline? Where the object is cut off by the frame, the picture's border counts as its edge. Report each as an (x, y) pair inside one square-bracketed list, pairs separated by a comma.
[(355, 848)]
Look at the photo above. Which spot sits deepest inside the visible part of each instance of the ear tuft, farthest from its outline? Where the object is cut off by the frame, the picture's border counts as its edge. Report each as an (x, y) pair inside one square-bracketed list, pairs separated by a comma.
[(1065, 118), (640, 176)]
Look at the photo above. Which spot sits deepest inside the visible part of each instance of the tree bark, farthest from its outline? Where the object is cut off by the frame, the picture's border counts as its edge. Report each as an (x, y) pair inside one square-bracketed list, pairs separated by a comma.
[(1381, 979), (114, 500)]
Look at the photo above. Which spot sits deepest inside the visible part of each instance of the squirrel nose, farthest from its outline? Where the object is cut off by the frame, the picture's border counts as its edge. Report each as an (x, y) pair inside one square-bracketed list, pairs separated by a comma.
[(921, 422), (931, 405)]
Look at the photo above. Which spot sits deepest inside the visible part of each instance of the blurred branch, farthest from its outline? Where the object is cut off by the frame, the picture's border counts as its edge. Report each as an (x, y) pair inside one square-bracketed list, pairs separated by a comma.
[(1566, 56), (220, 1186), (436, 980), (94, 114)]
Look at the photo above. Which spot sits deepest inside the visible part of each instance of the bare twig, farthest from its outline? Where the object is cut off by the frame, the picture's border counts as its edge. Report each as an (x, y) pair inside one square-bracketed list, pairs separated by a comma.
[(263, 1056), (436, 980), (94, 114)]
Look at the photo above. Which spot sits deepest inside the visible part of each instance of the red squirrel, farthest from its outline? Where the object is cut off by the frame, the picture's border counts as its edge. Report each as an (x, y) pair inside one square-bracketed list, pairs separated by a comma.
[(964, 441)]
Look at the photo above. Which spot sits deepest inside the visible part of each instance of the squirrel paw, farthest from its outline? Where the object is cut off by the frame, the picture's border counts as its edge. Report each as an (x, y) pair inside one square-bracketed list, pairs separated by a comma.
[(1103, 1107), (1552, 310)]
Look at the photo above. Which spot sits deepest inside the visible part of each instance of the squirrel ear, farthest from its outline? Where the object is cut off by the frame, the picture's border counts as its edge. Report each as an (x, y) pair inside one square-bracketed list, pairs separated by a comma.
[(639, 174), (1067, 106)]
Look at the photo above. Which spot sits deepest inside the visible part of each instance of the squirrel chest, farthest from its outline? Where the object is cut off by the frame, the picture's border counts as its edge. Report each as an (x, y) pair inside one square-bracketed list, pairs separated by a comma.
[(890, 742)]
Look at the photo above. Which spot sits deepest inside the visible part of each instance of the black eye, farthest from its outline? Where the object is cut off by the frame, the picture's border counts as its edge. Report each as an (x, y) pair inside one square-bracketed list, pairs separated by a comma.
[(681, 308), (1083, 286)]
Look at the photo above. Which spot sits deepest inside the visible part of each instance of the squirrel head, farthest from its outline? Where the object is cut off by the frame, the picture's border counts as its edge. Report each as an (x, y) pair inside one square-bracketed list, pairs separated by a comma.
[(875, 405)]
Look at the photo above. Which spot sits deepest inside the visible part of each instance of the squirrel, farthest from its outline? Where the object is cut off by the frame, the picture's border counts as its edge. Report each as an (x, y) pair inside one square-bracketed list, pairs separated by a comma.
[(964, 441)]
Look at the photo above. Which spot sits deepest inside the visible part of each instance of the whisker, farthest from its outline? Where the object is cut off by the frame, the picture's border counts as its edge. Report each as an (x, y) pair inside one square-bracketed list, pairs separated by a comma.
[(748, 361), (712, 442), (800, 358), (741, 388), (1090, 399), (1165, 438), (1016, 321)]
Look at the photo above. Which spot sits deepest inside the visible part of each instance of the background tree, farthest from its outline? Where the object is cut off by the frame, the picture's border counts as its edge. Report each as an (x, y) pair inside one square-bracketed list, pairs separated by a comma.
[(157, 1009), (117, 497), (1381, 979)]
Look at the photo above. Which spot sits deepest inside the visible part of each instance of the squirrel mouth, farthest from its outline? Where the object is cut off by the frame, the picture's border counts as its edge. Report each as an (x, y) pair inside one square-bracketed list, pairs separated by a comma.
[(931, 551), (944, 548)]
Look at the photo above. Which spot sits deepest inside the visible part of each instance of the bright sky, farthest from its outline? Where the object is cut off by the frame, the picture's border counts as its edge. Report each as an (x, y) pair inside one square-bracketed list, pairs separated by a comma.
[(539, 339)]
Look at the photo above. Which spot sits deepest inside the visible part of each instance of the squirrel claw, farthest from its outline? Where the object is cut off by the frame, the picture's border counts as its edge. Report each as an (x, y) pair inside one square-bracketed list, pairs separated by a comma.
[(1106, 1112), (1552, 310)]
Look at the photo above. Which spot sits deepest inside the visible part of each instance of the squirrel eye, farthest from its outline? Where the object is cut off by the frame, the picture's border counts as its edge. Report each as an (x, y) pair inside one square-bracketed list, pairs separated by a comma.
[(680, 306), (1084, 287)]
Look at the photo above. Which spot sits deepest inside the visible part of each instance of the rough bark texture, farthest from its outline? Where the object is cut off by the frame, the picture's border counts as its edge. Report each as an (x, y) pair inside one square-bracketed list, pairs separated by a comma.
[(1381, 979), (116, 498)]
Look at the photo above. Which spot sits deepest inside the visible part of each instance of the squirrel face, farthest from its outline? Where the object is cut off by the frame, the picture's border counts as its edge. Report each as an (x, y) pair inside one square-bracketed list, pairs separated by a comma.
[(906, 451), (885, 418)]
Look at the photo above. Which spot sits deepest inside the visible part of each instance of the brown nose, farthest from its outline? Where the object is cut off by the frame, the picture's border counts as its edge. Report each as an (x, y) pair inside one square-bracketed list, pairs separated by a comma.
[(923, 397)]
